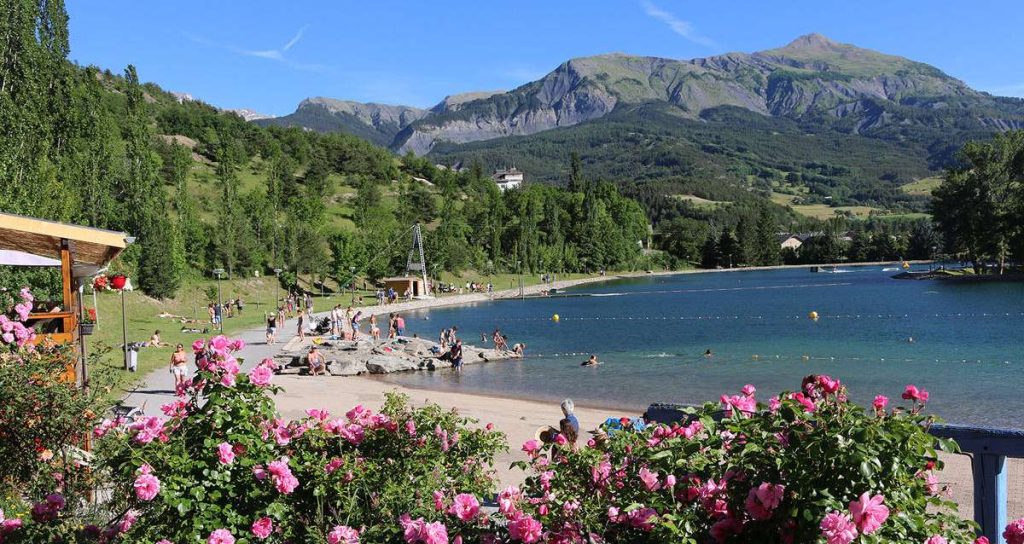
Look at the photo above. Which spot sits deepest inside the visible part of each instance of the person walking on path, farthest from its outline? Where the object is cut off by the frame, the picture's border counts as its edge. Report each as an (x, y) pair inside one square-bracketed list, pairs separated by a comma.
[(179, 368), (271, 328)]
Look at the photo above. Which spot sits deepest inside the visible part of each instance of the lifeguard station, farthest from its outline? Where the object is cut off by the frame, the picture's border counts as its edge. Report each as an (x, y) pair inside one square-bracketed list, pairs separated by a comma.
[(80, 252)]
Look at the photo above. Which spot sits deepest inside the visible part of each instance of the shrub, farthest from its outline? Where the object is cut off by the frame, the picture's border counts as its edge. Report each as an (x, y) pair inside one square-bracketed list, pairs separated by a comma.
[(809, 466), (223, 460)]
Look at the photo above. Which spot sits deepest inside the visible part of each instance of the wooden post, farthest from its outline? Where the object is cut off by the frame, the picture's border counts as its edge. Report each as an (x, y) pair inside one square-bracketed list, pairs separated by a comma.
[(989, 472), (70, 308)]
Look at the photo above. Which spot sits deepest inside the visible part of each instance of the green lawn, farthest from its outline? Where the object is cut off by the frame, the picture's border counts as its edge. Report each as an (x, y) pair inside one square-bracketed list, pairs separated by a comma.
[(922, 187)]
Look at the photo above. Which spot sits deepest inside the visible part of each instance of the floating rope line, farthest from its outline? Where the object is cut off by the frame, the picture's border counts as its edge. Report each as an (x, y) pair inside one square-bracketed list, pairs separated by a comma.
[(821, 317), (718, 359), (705, 290)]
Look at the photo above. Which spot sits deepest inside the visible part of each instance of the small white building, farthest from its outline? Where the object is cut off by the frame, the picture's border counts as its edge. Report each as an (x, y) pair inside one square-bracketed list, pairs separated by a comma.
[(509, 178)]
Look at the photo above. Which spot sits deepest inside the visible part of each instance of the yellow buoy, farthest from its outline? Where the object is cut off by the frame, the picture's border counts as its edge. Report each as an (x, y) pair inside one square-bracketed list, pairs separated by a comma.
[(555, 318), (813, 315)]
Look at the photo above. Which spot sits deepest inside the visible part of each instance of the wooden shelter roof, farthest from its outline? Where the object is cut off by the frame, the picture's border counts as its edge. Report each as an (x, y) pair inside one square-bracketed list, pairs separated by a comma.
[(90, 246)]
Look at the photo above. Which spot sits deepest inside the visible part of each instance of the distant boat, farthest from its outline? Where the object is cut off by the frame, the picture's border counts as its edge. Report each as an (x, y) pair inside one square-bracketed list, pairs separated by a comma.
[(891, 269), (829, 270)]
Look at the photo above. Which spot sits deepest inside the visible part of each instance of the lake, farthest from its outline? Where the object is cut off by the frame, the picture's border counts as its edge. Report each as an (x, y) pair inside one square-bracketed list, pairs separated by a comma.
[(651, 334)]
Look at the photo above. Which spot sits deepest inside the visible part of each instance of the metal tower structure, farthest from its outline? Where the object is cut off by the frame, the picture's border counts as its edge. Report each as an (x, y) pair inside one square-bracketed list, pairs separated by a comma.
[(416, 261)]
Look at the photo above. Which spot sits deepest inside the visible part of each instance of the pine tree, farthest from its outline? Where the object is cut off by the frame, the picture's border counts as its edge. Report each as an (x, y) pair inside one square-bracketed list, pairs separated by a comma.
[(575, 173), (161, 262), (766, 245)]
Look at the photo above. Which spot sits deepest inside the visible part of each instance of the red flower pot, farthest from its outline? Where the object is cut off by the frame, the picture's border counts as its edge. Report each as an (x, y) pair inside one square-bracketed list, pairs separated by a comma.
[(118, 281)]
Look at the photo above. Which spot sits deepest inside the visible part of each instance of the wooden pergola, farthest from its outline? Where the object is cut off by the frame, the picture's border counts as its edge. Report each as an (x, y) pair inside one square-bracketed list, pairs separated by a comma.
[(80, 252)]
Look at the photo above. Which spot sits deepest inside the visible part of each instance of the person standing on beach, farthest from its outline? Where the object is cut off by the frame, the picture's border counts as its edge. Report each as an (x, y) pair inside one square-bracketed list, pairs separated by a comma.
[(569, 426), (355, 325), (280, 316), (302, 329), (399, 325)]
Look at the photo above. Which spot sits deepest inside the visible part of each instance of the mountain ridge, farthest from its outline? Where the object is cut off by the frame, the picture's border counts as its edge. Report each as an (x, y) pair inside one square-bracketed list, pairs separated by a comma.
[(811, 79)]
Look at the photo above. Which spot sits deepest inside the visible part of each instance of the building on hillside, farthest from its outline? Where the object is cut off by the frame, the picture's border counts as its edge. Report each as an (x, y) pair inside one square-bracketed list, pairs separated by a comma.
[(790, 241), (794, 241), (509, 178)]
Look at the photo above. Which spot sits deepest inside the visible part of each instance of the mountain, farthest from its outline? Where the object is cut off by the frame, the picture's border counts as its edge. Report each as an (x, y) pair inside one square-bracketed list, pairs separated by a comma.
[(812, 77), (378, 123), (250, 115), (906, 120)]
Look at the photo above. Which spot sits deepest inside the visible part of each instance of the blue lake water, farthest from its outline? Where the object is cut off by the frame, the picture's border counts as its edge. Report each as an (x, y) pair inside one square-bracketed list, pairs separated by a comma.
[(651, 334)]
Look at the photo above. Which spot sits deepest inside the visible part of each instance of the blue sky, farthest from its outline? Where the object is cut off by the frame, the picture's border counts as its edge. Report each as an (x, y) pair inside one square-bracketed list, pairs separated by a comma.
[(268, 55)]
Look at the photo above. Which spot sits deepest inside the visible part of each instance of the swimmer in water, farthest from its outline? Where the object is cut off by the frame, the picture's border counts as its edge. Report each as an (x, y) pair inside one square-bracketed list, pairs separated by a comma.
[(592, 361), (910, 339), (708, 353)]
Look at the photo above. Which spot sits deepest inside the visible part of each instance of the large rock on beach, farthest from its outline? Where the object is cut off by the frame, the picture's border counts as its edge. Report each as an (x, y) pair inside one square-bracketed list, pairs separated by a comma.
[(381, 364), (347, 367)]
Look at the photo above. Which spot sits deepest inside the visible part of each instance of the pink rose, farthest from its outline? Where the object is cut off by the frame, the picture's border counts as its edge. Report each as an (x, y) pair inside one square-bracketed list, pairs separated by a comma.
[(225, 453), (650, 479), (982, 540), (262, 528), (869, 513), (748, 390), (913, 393), (281, 475), (343, 534), (828, 384), (936, 539), (434, 533), (525, 529), (260, 376), (220, 536), (763, 500), (531, 447), (642, 518), (219, 343), (1014, 532), (838, 528), (881, 401), (198, 346), (465, 507), (146, 486)]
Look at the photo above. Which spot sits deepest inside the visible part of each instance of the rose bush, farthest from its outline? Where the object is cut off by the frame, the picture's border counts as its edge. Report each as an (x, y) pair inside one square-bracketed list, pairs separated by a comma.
[(807, 466), (44, 418), (223, 465)]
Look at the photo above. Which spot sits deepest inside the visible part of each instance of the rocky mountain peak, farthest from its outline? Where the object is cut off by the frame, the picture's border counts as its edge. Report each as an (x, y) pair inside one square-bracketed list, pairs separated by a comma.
[(814, 42)]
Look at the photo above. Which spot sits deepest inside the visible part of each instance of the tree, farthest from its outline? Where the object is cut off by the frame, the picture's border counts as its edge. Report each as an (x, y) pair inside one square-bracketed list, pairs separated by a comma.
[(766, 243), (575, 173), (161, 262), (728, 248), (710, 255), (978, 206), (684, 238)]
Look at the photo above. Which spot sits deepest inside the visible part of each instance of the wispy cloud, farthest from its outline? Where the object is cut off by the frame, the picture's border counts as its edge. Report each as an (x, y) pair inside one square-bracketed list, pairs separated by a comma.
[(277, 55), (677, 25)]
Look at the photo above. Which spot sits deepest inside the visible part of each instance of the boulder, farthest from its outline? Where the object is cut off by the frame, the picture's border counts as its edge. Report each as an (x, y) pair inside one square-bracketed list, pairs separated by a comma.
[(385, 364), (492, 354), (346, 367)]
